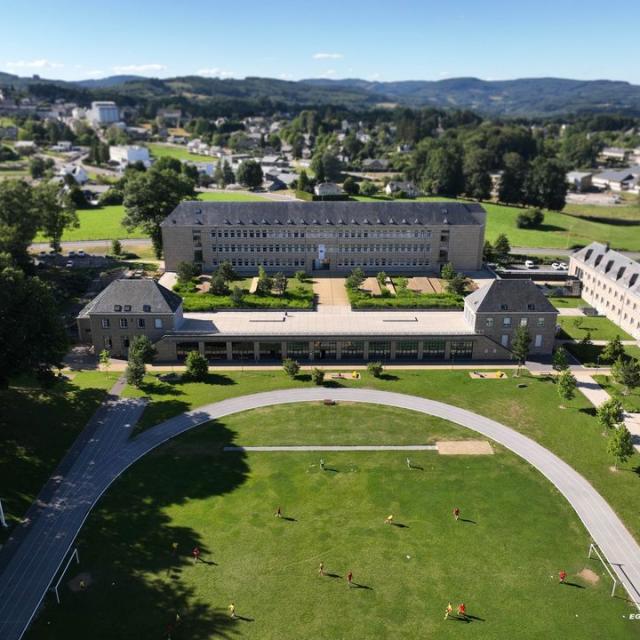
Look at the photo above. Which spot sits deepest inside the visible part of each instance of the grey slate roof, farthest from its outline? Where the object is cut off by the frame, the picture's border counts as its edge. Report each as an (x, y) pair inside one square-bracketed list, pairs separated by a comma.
[(134, 293), (613, 265), (615, 176), (322, 213), (518, 296)]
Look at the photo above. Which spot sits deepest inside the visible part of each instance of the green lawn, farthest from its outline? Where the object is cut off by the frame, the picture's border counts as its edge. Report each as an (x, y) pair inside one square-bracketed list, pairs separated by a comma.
[(590, 355), (559, 230), (404, 299), (230, 196), (532, 410), (37, 426), (502, 559), (179, 153), (299, 295), (630, 402), (600, 328), (567, 303), (629, 211)]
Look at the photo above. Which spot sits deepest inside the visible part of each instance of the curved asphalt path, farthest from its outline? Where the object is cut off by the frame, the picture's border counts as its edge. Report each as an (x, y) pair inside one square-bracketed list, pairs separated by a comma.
[(36, 561)]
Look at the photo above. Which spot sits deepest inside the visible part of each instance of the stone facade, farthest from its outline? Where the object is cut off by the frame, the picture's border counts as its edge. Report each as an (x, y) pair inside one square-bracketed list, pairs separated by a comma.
[(333, 236), (610, 284)]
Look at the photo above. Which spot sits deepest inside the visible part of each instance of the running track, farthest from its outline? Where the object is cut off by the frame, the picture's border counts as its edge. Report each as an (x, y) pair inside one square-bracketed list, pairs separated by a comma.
[(33, 565)]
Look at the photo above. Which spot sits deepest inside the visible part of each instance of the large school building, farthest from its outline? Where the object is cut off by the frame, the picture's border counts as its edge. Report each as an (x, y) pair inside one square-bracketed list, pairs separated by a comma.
[(333, 236)]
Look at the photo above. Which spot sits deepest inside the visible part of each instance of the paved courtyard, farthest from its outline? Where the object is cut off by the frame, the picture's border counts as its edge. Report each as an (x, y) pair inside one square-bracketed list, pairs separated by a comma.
[(331, 294)]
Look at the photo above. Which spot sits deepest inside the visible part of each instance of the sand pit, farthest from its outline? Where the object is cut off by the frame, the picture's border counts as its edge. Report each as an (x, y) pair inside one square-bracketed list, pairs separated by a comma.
[(464, 448), (488, 375), (589, 576)]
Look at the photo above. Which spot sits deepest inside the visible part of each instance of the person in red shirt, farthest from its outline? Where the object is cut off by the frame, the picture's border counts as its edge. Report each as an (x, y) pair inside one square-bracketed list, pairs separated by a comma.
[(196, 554), (563, 576), (350, 578), (462, 610), (456, 513)]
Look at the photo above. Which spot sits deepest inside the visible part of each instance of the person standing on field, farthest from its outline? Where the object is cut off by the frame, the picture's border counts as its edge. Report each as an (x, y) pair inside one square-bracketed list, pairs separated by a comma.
[(456, 513)]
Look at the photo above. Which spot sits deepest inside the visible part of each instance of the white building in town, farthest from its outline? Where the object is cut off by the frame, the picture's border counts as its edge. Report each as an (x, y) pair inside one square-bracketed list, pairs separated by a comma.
[(103, 113), (125, 155)]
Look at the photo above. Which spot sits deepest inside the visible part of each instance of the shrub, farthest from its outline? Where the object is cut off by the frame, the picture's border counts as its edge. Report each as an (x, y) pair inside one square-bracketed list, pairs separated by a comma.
[(530, 219), (111, 197), (197, 366), (301, 276), (237, 297), (218, 285), (356, 278), (186, 272), (291, 367), (367, 188), (135, 372), (375, 369), (116, 247), (317, 375), (142, 349)]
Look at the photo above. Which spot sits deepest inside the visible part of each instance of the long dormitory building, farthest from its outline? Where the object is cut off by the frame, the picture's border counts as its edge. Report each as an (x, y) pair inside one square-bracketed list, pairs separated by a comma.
[(333, 236)]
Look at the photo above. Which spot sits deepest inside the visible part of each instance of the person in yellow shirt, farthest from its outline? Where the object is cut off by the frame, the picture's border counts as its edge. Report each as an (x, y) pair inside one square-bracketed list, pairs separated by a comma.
[(448, 611), (232, 610), (388, 519)]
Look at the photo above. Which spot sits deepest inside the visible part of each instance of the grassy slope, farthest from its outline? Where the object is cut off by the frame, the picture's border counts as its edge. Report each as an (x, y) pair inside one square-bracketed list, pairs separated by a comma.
[(532, 411), (502, 562), (36, 429)]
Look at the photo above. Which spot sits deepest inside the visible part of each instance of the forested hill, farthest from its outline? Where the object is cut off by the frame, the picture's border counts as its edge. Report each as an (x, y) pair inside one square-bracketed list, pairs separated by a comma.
[(529, 97)]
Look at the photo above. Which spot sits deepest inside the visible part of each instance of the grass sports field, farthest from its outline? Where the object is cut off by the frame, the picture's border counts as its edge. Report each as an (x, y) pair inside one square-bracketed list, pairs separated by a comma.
[(179, 153), (501, 558)]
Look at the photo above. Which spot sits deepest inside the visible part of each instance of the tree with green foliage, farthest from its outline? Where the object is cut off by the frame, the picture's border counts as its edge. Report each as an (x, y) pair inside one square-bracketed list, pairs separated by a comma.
[(610, 414), (514, 173), (351, 187), (545, 184), (218, 285), (218, 176), (375, 369), (265, 283), (457, 285), (301, 276), (226, 271), (291, 367), (521, 344), (135, 371), (620, 445), (38, 166), (586, 339), (566, 385), (442, 174), (530, 219), (142, 348), (303, 182), (33, 339), (488, 254), (279, 283), (150, 197), (19, 220), (196, 366), (368, 188), (186, 272), (227, 173), (475, 168), (317, 375), (626, 372), (502, 248), (249, 174), (560, 362), (356, 278), (326, 166), (116, 248), (613, 350), (237, 297), (448, 271), (167, 162), (56, 212), (105, 360)]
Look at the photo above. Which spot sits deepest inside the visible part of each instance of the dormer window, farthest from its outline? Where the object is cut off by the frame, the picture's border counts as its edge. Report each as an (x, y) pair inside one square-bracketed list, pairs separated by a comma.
[(598, 260), (608, 267), (531, 307), (504, 307), (146, 308), (633, 279), (117, 307), (127, 307), (621, 271), (589, 253)]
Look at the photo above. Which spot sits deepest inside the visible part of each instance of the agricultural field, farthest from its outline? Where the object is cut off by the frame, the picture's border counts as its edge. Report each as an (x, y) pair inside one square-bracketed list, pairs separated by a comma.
[(500, 559)]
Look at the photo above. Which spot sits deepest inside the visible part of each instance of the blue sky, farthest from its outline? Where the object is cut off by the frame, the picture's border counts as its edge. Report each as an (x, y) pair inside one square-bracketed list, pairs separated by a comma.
[(401, 40)]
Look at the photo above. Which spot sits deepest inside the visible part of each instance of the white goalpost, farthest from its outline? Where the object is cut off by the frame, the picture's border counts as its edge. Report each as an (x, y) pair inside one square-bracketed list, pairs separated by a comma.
[(73, 555), (594, 550)]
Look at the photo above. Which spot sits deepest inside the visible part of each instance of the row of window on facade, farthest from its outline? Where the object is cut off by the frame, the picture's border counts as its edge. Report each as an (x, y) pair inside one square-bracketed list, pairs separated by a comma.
[(607, 304), (262, 233), (353, 262), (328, 349), (123, 323), (301, 248), (507, 322), (597, 283)]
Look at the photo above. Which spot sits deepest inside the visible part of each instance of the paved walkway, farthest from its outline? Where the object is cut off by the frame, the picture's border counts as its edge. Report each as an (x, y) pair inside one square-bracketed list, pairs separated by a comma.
[(331, 295), (36, 561)]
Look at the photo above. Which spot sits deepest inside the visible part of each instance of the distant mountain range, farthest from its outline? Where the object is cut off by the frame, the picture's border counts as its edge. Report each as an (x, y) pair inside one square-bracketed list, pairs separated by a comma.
[(527, 97)]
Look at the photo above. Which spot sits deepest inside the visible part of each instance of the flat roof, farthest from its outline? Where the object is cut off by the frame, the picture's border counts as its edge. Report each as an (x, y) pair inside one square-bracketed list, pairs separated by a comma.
[(309, 324)]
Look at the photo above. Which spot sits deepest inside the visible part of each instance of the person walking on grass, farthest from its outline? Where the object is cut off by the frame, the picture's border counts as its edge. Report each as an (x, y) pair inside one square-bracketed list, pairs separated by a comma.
[(321, 569), (462, 611), (196, 554), (350, 578), (321, 464), (448, 611), (388, 519), (279, 512), (408, 463), (563, 576), (232, 611), (456, 513)]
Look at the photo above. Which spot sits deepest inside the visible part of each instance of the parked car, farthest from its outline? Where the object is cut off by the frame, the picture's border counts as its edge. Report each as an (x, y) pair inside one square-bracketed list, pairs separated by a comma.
[(82, 254), (72, 254), (69, 264), (529, 264), (555, 265), (563, 266)]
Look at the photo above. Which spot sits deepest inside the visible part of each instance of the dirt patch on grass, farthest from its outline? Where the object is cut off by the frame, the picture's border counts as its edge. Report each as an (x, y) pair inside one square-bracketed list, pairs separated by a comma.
[(80, 582), (589, 576), (464, 448)]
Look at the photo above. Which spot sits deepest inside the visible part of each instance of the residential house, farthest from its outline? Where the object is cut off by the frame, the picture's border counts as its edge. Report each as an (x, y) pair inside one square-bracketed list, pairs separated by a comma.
[(375, 164), (579, 180), (103, 113), (124, 155), (76, 172), (397, 187), (327, 189), (615, 155), (613, 180)]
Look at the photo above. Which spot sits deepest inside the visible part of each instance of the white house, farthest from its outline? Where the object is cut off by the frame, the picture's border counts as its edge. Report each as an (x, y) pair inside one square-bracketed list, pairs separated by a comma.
[(579, 180), (613, 180), (397, 186), (616, 154), (76, 172), (103, 113), (327, 189), (125, 155)]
